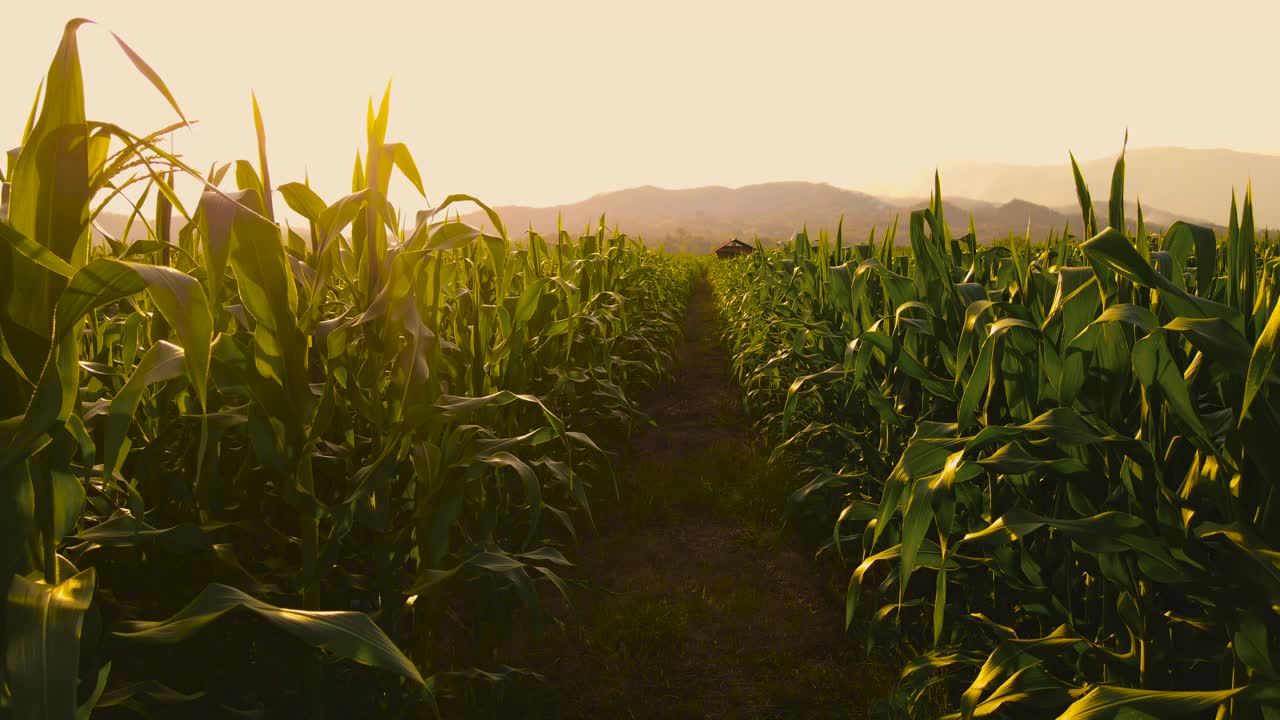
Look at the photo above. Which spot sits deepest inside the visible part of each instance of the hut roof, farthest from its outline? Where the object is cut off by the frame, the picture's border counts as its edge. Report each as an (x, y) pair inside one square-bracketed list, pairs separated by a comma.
[(736, 245)]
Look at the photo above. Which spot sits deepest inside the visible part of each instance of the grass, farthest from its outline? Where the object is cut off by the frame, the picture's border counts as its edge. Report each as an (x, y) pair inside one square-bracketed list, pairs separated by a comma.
[(696, 600), (729, 477), (682, 642)]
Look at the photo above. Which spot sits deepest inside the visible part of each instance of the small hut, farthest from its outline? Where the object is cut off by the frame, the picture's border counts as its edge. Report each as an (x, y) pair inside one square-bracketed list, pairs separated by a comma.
[(734, 248)]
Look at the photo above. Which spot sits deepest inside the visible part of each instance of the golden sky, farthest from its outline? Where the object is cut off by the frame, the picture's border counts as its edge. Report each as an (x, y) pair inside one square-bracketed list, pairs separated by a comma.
[(549, 101)]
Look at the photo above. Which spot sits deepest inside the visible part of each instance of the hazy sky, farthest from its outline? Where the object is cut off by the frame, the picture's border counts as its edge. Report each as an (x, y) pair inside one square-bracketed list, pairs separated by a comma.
[(550, 101)]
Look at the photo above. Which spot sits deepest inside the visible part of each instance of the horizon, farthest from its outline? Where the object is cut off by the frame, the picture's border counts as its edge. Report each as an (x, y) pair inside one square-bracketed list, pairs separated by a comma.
[(925, 185), (680, 115)]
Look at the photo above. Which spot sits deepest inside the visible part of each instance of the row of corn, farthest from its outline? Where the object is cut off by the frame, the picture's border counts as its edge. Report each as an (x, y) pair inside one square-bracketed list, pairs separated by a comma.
[(1052, 468), (236, 457)]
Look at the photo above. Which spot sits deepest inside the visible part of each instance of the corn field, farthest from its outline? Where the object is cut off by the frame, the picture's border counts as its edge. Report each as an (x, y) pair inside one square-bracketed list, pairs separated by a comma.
[(1051, 469), (363, 437), (325, 460)]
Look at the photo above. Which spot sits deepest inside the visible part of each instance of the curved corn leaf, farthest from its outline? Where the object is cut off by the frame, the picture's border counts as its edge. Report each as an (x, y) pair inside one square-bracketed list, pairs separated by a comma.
[(350, 635), (1104, 700)]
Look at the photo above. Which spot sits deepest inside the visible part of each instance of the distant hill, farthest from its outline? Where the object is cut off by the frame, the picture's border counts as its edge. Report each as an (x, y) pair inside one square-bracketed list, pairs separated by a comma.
[(697, 219), (703, 215), (1173, 183), (1194, 183)]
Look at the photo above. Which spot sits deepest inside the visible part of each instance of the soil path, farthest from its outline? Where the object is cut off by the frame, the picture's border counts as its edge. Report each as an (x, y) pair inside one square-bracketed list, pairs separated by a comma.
[(695, 605)]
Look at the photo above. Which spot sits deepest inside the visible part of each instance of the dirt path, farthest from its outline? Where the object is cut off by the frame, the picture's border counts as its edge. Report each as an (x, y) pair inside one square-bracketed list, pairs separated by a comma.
[(695, 606)]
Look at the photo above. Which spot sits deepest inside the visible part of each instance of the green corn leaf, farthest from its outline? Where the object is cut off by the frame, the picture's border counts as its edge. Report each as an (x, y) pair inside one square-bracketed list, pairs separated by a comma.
[(151, 75), (1104, 700), (162, 361), (1155, 367), (124, 530), (458, 405), (182, 301), (177, 295), (303, 200), (1247, 255), (928, 555), (31, 122), (1028, 687), (1007, 659), (916, 519), (42, 649), (49, 202), (270, 296), (399, 155), (1115, 210), (247, 179), (86, 708), (1101, 533), (265, 189), (1180, 240), (35, 252), (1262, 361), (350, 635), (1114, 251), (1251, 645), (902, 358), (1088, 217)]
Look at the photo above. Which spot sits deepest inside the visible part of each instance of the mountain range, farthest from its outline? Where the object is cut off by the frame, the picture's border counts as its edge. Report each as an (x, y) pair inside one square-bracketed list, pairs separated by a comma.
[(1172, 183), (695, 220), (1196, 183)]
